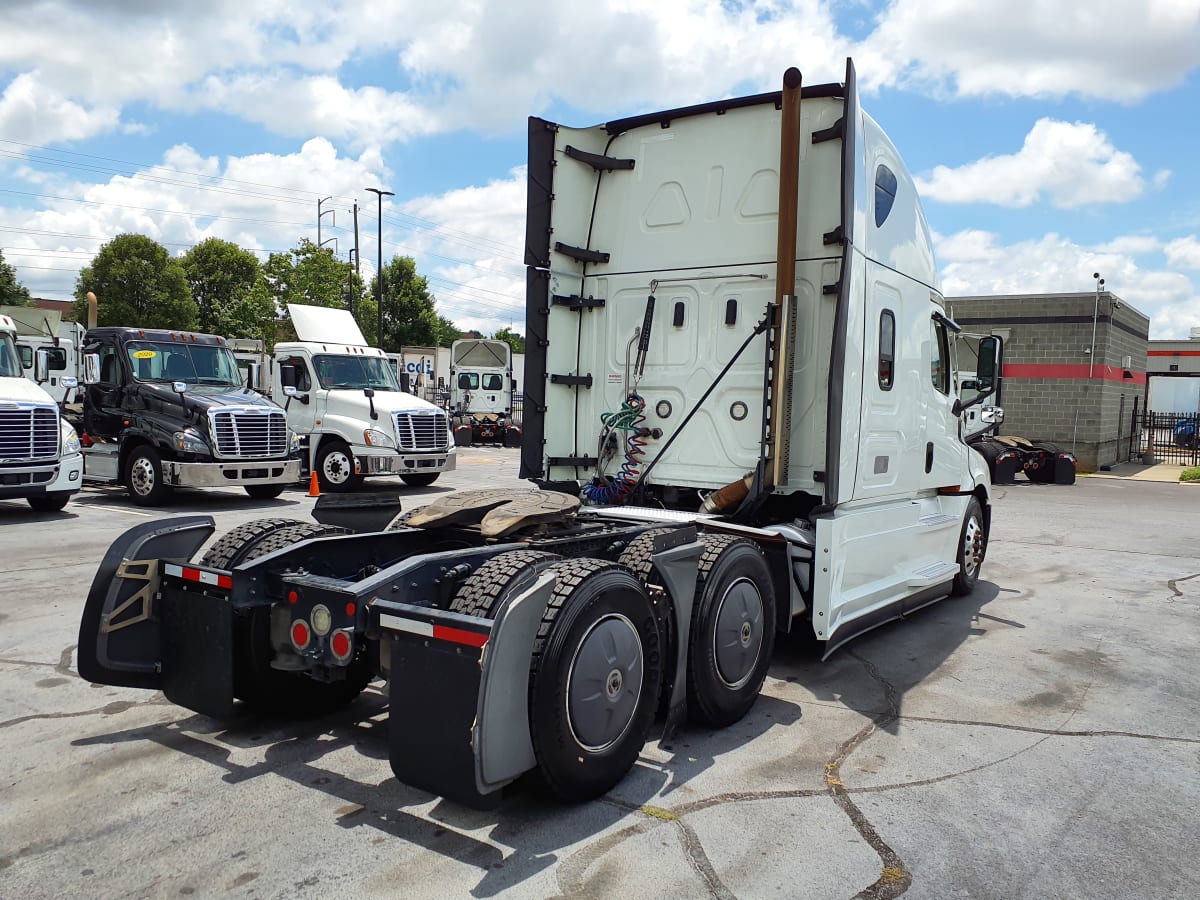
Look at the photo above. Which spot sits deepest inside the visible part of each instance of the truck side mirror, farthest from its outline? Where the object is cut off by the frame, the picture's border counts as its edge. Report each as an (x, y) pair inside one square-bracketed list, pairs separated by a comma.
[(179, 386), (287, 378), (91, 368), (988, 368), (406, 382), (41, 366)]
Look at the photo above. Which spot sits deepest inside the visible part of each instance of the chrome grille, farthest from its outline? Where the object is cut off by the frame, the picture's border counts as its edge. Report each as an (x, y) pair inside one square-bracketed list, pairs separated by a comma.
[(423, 432), (27, 433), (249, 434)]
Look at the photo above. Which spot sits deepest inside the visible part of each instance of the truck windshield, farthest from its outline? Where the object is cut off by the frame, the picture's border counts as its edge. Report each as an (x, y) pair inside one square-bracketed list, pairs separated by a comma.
[(163, 361), (10, 363), (354, 373)]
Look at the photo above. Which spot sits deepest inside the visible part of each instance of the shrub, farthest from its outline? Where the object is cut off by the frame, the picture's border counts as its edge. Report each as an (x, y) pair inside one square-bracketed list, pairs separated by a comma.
[(1192, 474)]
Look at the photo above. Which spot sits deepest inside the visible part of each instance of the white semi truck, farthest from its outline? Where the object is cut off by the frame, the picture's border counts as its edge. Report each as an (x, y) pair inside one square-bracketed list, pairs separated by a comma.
[(481, 392), (348, 402), (741, 416), (40, 458)]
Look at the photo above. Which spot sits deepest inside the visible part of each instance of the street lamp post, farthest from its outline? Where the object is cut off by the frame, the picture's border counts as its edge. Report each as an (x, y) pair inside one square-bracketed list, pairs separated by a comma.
[(1095, 316), (379, 271)]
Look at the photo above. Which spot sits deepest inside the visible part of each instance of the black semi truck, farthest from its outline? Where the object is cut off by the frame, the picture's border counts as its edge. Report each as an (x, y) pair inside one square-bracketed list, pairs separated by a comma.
[(167, 409)]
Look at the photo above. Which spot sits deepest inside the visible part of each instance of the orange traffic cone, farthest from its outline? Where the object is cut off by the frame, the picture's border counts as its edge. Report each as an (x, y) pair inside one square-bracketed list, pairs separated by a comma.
[(314, 486)]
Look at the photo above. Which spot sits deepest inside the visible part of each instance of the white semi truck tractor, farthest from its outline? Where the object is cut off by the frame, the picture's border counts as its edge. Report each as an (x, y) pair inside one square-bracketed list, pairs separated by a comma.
[(40, 458), (481, 392), (740, 418)]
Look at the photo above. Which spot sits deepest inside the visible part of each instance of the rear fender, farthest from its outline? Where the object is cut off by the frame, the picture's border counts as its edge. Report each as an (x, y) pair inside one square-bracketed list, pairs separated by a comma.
[(120, 635)]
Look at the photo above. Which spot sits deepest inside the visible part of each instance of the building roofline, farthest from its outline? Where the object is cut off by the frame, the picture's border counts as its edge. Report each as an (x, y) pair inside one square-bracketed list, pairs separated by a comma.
[(1072, 295)]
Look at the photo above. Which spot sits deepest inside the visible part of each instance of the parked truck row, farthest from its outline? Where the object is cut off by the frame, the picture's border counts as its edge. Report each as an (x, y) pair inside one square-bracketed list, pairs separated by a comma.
[(741, 417), (156, 410)]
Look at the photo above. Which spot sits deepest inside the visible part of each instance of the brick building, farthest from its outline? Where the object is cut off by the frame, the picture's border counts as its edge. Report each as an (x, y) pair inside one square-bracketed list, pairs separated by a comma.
[(1059, 384)]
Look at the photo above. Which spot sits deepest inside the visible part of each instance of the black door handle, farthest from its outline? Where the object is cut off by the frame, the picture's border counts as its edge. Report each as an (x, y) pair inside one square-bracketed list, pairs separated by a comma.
[(929, 457)]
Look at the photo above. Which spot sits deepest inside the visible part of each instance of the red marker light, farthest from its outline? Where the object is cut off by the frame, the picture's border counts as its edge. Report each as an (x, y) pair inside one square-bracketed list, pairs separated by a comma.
[(340, 644), (350, 608), (293, 596), (300, 634)]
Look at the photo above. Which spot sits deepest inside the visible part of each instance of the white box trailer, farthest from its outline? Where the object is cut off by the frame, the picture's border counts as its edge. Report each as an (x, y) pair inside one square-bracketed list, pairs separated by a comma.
[(481, 392), (795, 333)]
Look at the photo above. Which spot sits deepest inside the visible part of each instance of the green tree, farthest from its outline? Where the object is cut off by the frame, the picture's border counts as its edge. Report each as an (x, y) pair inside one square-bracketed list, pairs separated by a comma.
[(137, 283), (12, 292), (313, 276), (222, 277), (410, 316), (510, 337)]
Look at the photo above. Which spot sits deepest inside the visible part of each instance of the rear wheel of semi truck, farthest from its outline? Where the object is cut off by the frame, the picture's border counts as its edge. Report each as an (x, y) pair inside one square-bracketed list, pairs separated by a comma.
[(264, 491), (972, 546), (144, 477), (498, 579), (596, 674), (51, 502), (266, 689), (733, 630)]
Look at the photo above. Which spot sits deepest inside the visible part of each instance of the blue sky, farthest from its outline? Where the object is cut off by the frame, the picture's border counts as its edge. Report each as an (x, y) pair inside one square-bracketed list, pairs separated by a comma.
[(1050, 138)]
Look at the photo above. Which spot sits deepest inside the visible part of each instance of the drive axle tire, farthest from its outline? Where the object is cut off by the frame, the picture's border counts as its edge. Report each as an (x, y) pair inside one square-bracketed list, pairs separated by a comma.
[(144, 477), (596, 674), (335, 468), (497, 579), (733, 630), (268, 690), (228, 551), (972, 547)]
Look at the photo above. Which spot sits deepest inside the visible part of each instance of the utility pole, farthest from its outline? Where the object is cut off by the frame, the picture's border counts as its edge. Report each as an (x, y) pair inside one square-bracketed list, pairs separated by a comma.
[(350, 280), (357, 253), (379, 271), (321, 215)]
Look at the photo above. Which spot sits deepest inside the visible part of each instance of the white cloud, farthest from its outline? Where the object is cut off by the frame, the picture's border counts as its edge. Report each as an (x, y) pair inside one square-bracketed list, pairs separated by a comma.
[(977, 263), (1070, 164), (1108, 49), (1184, 253), (32, 112)]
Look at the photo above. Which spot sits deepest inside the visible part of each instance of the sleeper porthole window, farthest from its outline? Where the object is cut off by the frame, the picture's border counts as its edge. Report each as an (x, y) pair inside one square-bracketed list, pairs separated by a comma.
[(885, 193)]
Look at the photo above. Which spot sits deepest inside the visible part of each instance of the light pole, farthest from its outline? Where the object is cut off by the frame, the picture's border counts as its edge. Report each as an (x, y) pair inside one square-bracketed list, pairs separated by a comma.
[(379, 271), (1095, 316)]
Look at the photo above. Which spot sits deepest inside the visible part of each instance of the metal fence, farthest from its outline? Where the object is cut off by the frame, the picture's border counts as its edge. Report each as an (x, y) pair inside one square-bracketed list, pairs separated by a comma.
[(1166, 437)]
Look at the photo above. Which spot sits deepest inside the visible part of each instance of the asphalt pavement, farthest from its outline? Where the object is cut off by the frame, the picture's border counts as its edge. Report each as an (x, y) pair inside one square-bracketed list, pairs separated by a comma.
[(1038, 738)]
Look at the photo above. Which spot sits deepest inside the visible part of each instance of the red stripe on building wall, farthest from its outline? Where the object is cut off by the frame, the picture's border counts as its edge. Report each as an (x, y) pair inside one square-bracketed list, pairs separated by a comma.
[(1173, 352), (1072, 371)]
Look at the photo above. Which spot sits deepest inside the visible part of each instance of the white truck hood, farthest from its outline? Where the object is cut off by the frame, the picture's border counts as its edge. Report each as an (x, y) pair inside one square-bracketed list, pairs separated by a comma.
[(24, 391), (385, 402)]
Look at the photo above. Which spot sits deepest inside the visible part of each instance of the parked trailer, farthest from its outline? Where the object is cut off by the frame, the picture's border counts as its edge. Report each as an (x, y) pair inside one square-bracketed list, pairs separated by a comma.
[(481, 393), (547, 627)]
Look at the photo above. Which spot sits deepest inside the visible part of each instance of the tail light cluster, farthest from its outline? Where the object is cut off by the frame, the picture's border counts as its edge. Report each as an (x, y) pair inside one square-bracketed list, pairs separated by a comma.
[(319, 635)]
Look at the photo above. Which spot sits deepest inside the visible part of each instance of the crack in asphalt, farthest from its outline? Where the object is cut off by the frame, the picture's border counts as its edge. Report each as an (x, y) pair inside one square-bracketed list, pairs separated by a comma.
[(1175, 590), (694, 850), (109, 709)]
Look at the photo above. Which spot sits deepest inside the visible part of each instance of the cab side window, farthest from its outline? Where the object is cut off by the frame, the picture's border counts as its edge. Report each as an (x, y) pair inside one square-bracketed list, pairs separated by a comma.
[(303, 379), (110, 365), (939, 352)]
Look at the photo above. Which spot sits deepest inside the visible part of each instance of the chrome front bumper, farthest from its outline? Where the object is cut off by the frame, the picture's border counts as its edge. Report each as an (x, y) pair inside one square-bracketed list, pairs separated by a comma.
[(231, 474), (406, 463)]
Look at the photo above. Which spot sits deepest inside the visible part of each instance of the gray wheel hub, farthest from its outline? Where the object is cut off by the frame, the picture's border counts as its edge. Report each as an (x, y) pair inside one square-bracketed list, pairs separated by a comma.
[(972, 549), (141, 476), (604, 683), (337, 467), (738, 635)]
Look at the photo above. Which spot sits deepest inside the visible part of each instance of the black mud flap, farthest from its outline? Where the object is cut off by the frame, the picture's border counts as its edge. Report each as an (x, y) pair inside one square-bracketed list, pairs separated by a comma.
[(120, 634), (197, 648), (1064, 470), (433, 692), (1006, 470)]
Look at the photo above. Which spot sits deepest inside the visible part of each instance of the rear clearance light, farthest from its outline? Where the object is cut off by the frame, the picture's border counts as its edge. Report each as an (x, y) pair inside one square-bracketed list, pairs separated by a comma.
[(437, 632), (342, 645), (187, 573), (301, 636), (321, 619)]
